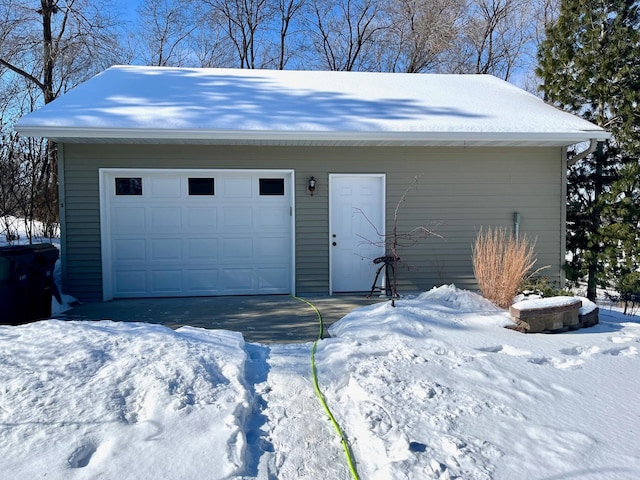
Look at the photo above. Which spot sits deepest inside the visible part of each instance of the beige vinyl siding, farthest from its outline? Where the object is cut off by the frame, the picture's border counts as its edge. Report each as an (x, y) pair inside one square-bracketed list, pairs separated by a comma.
[(460, 189)]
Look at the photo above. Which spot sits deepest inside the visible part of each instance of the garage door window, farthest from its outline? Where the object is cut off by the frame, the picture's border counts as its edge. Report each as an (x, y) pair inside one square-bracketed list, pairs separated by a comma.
[(201, 186), (272, 186), (129, 186)]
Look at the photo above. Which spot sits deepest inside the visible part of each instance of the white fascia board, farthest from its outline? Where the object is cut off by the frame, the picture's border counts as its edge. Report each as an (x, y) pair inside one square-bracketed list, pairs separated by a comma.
[(461, 138)]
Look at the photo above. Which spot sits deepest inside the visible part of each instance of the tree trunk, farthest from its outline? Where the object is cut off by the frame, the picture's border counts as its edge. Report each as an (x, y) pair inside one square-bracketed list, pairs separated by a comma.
[(48, 9), (592, 280)]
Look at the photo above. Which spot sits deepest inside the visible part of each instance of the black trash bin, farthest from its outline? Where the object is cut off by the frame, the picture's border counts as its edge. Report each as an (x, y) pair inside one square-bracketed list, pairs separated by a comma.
[(26, 282), (41, 280), (15, 267)]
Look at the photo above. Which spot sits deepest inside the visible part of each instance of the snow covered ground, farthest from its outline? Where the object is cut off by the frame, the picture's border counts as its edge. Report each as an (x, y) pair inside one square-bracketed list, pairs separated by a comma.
[(432, 389)]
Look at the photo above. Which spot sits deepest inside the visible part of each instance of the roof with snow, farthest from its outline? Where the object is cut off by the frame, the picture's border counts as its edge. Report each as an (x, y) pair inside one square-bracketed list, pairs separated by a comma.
[(160, 104)]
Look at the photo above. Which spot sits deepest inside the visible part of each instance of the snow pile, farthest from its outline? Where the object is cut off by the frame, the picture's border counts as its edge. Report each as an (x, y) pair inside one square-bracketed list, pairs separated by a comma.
[(544, 302), (587, 306), (107, 400), (459, 299), (441, 391), (435, 388), (445, 306)]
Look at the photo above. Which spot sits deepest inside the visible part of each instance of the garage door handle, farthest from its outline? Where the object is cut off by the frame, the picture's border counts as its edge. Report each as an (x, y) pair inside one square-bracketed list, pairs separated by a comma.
[(334, 244)]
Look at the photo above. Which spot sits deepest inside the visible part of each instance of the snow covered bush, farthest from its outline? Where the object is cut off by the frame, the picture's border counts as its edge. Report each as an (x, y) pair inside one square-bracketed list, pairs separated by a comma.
[(542, 286), (501, 263)]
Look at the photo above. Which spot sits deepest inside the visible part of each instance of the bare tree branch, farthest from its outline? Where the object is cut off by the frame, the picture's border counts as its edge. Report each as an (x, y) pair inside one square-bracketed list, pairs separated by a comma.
[(395, 240)]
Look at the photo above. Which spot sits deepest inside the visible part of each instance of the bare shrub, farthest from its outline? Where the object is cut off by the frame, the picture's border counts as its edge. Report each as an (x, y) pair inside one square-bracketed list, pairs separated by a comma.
[(501, 263), (395, 240)]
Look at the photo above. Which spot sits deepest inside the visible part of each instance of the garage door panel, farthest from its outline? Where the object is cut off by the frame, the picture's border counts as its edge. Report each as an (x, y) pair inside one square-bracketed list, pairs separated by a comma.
[(126, 219), (165, 186), (272, 218), (237, 249), (202, 219), (237, 187), (130, 282), (166, 281), (237, 218), (269, 248), (130, 249), (173, 242), (202, 249), (237, 280), (202, 280), (166, 249), (165, 219), (270, 279)]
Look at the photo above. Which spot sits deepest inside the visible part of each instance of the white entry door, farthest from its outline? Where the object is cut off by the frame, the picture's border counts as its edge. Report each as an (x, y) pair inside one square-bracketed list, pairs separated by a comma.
[(357, 231)]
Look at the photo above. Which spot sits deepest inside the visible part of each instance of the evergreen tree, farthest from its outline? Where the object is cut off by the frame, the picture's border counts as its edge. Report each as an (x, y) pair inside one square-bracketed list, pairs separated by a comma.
[(622, 233), (589, 65)]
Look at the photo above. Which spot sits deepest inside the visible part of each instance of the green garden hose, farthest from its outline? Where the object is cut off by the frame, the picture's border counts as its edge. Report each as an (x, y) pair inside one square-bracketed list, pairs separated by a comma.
[(314, 374)]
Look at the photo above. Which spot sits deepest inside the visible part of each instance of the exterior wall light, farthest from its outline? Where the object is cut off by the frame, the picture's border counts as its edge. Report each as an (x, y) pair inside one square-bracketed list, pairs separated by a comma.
[(312, 185)]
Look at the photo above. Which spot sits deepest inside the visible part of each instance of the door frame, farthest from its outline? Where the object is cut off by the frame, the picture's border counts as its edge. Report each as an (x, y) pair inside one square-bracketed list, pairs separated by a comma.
[(107, 174), (383, 202)]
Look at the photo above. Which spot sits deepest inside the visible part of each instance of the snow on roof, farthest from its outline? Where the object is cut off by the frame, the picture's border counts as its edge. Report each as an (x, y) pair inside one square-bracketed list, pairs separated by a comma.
[(289, 105)]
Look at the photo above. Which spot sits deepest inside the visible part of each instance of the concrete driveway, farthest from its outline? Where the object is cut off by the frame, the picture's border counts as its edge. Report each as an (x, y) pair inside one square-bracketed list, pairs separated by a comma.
[(261, 319)]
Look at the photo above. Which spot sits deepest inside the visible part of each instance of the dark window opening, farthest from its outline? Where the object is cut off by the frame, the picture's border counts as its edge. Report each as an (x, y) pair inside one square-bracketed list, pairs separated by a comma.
[(129, 186), (201, 186), (272, 186)]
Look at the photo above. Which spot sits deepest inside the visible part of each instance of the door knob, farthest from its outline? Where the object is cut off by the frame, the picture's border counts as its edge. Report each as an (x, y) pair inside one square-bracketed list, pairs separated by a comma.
[(334, 244)]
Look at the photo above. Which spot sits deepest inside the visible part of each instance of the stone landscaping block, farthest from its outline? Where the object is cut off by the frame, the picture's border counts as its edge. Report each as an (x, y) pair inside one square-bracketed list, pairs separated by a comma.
[(553, 314), (589, 319)]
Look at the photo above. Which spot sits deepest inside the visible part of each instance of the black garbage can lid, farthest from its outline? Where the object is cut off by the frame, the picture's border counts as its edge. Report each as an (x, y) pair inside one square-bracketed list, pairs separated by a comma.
[(13, 250), (46, 250)]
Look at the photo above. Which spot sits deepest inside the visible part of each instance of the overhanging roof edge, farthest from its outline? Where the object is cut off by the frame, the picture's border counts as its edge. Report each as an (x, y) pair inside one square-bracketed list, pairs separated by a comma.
[(318, 136)]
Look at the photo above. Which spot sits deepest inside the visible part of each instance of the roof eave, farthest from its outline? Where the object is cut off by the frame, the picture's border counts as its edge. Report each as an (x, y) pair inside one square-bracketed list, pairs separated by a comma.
[(294, 137)]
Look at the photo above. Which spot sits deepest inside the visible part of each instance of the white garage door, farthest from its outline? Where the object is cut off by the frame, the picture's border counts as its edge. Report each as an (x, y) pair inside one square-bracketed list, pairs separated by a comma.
[(196, 232)]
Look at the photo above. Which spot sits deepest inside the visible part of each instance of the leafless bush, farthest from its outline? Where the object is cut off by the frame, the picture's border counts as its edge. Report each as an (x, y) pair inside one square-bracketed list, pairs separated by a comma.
[(501, 263), (9, 188), (396, 239), (8, 229), (28, 189)]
